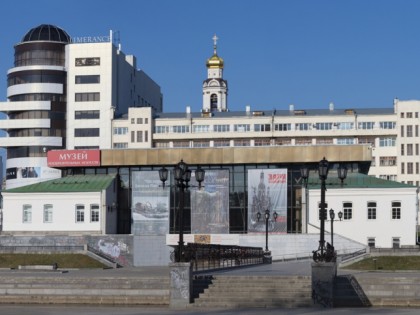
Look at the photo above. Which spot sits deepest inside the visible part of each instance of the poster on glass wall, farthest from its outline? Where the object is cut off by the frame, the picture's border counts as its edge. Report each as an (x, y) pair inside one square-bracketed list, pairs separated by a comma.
[(150, 204), (267, 189), (210, 204)]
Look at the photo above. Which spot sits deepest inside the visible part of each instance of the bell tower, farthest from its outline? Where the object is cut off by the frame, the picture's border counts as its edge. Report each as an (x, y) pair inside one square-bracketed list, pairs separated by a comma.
[(214, 87)]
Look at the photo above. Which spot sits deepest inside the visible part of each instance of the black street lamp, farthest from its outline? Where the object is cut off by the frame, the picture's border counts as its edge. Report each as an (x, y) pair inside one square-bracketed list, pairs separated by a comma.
[(323, 253), (267, 217), (332, 217), (182, 177)]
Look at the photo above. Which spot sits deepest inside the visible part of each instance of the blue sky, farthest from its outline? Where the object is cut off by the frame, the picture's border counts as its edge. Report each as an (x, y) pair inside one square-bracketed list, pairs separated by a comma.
[(308, 53)]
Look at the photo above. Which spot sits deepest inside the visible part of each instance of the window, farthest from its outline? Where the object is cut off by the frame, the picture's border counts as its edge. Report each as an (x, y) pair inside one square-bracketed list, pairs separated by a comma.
[(389, 177), (80, 213), (213, 101), (396, 210), (410, 169), (82, 62), (402, 149), (387, 142), (371, 242), (388, 160), (387, 125), (324, 141), (181, 129), (139, 136), (323, 126), (87, 79), (48, 213), (402, 131), (133, 121), (345, 141), (181, 144), (371, 210), (86, 132), (27, 214), (302, 126), (283, 141), (417, 167), (86, 114), (94, 213), (402, 115), (221, 128), (409, 131), (345, 126), (162, 129), (395, 242), (201, 128), (416, 129), (409, 149), (201, 144), (133, 136), (417, 149), (139, 121), (262, 127), (367, 140), (242, 143), (303, 141), (87, 97), (347, 210), (261, 142), (241, 128), (221, 143), (409, 115), (366, 125), (146, 136), (282, 127), (402, 168), (120, 130), (325, 213), (120, 145), (146, 121)]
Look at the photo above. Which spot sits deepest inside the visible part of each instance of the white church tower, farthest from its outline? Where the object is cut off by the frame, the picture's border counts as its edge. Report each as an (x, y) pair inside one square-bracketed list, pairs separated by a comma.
[(214, 87)]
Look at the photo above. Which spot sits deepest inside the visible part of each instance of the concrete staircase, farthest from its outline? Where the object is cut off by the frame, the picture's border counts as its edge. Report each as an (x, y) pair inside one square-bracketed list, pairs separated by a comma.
[(253, 291), (391, 291), (97, 290)]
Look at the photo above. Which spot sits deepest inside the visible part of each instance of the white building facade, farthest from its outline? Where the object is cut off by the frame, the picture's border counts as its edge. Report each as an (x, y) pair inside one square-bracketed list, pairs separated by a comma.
[(63, 93), (375, 212)]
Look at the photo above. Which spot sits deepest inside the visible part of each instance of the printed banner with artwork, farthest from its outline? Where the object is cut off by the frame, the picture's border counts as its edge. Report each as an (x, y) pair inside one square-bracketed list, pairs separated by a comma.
[(267, 189), (210, 205), (150, 204)]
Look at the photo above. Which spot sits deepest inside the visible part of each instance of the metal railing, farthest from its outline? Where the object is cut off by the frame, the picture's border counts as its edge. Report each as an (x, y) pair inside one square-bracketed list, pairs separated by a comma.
[(102, 255), (208, 256)]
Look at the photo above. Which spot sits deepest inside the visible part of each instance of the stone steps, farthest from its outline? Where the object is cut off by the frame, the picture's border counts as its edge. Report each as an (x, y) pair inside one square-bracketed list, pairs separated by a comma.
[(256, 291), (95, 290)]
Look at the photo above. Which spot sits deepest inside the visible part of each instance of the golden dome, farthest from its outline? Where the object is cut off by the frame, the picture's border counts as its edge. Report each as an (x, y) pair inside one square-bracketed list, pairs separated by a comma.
[(215, 62)]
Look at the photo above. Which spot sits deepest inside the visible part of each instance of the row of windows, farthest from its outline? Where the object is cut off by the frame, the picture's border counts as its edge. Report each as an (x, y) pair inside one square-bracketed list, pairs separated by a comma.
[(139, 120), (120, 130), (86, 132), (409, 131), (139, 136), (371, 213), (410, 168), (267, 127), (87, 79), (48, 213), (283, 141), (40, 57), (409, 115), (36, 78), (86, 114), (87, 97), (38, 97), (409, 147), (37, 132)]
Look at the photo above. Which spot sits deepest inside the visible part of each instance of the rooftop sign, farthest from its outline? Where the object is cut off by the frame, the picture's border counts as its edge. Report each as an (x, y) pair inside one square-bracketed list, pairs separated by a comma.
[(90, 39)]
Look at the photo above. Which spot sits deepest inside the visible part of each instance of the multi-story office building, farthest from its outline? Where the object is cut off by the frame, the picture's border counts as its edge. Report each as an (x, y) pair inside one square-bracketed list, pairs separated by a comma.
[(392, 132), (63, 93)]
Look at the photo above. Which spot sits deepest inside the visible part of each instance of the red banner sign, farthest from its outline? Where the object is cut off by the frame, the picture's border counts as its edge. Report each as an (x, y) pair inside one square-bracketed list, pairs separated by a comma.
[(73, 158)]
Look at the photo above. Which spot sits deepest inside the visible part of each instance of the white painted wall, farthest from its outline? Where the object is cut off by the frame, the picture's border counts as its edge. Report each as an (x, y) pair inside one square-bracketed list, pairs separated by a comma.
[(359, 228), (64, 212)]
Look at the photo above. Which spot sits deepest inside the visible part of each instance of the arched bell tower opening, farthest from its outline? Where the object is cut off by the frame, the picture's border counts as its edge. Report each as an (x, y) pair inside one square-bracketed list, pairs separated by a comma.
[(214, 87)]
